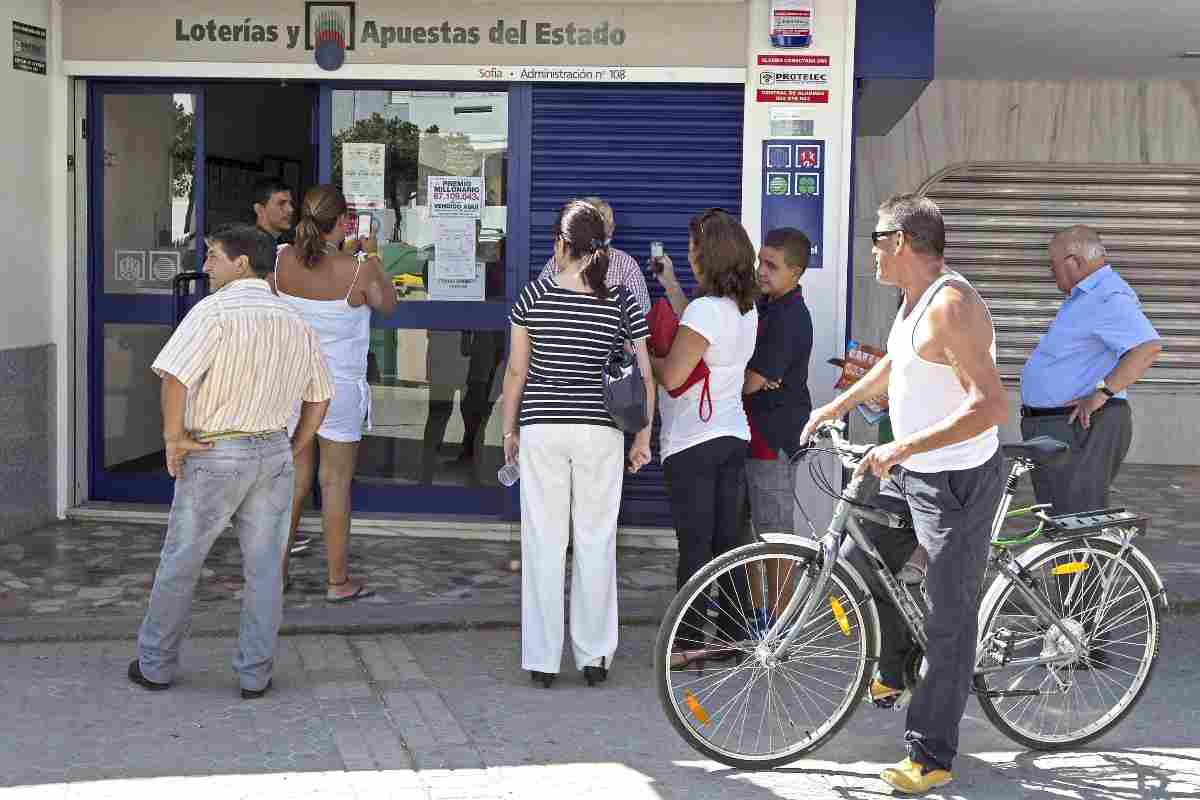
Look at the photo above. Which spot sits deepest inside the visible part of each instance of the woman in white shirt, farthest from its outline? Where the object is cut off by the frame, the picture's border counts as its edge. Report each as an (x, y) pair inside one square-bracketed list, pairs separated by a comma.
[(704, 454)]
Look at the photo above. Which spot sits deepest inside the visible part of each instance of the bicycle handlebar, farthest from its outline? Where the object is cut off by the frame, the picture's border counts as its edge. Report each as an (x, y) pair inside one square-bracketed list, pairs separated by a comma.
[(849, 453)]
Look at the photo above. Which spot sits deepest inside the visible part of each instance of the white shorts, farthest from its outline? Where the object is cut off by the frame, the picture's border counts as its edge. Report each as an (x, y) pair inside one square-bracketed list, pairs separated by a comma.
[(348, 415)]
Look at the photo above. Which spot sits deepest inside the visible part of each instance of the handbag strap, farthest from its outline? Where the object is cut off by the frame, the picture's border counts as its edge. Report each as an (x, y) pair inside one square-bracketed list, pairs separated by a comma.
[(705, 394), (623, 331)]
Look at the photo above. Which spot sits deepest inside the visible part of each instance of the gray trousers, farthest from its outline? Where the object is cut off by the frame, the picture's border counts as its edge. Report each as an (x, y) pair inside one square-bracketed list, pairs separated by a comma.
[(249, 480), (1081, 484), (770, 493), (952, 515)]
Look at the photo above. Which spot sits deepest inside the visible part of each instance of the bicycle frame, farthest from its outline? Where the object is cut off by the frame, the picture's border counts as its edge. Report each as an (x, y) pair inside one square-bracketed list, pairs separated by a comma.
[(811, 587)]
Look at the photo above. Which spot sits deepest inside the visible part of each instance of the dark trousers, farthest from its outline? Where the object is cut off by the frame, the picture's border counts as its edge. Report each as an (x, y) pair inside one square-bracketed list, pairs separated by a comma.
[(1081, 484), (707, 486), (952, 515)]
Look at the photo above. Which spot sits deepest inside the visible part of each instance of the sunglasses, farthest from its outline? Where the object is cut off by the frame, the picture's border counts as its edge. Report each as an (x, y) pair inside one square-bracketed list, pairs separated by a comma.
[(877, 235)]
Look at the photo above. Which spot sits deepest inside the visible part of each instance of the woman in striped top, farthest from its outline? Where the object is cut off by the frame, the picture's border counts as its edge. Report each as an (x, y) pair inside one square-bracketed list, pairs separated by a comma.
[(563, 329)]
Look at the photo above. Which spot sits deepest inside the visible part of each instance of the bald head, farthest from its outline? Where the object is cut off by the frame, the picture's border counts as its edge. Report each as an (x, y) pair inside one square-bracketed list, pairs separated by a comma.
[(1075, 253), (1082, 241)]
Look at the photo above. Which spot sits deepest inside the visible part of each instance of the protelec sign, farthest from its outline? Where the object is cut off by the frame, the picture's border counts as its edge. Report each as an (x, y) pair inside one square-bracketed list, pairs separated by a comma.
[(793, 86)]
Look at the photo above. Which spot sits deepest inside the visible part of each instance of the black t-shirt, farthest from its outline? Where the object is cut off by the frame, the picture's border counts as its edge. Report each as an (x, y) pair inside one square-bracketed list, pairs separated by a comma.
[(287, 237), (782, 353)]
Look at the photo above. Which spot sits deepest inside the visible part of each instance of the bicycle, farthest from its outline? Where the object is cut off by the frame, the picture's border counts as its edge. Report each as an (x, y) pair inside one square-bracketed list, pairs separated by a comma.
[(1069, 629)]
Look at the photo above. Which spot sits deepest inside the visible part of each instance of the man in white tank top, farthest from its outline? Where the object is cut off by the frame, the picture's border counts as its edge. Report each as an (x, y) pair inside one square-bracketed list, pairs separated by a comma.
[(946, 402)]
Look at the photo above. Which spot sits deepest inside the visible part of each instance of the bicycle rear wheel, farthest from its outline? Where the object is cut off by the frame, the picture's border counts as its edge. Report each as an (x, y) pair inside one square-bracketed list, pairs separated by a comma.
[(1054, 707), (735, 703)]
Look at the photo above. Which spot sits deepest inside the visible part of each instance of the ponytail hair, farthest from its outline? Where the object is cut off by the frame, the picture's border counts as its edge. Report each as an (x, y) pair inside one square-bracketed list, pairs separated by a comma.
[(581, 227), (320, 212)]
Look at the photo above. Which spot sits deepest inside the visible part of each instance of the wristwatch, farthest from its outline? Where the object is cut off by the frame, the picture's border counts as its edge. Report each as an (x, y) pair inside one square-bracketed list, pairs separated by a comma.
[(1103, 387)]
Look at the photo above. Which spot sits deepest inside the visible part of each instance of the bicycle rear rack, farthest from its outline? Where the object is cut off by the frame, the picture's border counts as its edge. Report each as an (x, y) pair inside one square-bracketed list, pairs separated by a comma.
[(1071, 526)]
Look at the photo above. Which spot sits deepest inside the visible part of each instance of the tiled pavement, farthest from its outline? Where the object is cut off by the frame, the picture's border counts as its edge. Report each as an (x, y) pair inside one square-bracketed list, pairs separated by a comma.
[(450, 716), (91, 580)]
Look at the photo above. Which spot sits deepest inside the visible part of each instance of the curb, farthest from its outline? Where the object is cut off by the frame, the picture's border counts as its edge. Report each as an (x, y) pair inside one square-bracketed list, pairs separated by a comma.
[(365, 621)]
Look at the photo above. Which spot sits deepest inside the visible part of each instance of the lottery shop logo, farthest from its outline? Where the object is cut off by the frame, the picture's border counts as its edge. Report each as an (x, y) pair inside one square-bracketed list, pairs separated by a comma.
[(329, 32)]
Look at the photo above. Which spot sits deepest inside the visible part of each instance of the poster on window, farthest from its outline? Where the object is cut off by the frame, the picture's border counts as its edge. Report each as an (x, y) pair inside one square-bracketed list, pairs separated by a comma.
[(455, 196), (363, 167), (455, 273)]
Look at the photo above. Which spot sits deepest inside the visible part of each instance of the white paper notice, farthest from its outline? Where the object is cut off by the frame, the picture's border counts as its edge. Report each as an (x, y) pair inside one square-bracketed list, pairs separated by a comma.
[(454, 247), (362, 174), (453, 196)]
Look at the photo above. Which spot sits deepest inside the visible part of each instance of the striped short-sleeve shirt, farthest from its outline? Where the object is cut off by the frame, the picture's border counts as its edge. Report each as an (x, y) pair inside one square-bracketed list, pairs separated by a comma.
[(571, 335), (247, 359)]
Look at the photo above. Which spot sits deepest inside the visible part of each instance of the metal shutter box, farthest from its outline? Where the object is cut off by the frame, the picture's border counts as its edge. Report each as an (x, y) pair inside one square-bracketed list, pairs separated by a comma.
[(1000, 218), (658, 154)]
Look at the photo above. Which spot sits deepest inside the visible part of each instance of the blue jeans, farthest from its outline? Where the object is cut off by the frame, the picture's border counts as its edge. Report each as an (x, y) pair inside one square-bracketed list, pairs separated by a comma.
[(249, 480)]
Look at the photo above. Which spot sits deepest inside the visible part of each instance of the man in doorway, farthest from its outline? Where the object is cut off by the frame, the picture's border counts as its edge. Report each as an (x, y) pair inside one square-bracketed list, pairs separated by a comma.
[(274, 209), (1073, 386), (946, 402), (623, 269), (232, 374)]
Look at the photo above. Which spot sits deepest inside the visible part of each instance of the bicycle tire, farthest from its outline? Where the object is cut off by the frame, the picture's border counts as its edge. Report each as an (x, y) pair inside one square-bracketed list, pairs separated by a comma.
[(859, 615), (1135, 587)]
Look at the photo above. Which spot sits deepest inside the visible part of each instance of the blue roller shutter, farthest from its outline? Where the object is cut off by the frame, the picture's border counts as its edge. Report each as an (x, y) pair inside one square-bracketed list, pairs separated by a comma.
[(658, 154)]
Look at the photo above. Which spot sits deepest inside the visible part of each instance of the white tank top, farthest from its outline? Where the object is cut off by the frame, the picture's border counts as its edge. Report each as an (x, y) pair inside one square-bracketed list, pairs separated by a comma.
[(922, 393), (343, 330)]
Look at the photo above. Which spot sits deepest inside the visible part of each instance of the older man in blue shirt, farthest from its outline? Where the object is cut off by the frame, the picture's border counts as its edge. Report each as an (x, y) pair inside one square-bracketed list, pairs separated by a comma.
[(1073, 386)]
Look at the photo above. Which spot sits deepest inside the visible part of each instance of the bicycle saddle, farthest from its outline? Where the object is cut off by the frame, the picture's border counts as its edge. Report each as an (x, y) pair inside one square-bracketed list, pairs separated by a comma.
[(1040, 450)]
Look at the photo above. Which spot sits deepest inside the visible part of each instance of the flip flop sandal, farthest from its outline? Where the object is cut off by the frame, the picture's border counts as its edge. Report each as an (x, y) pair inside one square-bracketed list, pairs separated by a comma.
[(358, 594)]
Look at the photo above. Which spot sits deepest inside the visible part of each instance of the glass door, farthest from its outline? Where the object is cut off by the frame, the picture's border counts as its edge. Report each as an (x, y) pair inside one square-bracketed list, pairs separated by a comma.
[(146, 188), (436, 365)]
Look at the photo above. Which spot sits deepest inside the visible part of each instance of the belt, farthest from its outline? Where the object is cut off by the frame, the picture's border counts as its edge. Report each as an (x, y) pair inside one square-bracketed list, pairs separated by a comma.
[(1062, 411), (219, 436)]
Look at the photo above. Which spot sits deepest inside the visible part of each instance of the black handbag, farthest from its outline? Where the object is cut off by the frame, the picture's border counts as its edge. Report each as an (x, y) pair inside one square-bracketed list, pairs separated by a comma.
[(624, 386)]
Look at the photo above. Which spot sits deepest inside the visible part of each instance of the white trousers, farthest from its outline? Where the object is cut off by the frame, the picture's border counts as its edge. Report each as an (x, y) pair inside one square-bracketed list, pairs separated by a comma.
[(569, 474)]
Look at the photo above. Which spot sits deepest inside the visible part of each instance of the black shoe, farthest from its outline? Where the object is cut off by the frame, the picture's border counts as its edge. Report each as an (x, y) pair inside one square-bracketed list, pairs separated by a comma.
[(136, 676), (300, 545), (546, 678), (594, 675), (254, 694)]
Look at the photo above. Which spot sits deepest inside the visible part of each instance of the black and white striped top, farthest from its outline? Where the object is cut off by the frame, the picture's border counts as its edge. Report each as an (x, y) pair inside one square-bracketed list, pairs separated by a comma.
[(571, 335)]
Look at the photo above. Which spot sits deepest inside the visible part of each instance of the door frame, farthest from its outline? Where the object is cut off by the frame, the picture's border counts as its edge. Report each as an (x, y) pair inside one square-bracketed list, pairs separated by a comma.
[(103, 309), (496, 502)]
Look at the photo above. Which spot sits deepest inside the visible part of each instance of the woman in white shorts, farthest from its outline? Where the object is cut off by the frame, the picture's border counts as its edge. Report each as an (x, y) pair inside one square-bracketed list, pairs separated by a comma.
[(335, 293)]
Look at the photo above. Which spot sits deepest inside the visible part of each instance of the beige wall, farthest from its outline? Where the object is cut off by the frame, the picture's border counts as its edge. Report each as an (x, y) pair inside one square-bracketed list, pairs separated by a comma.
[(957, 121), (25, 164)]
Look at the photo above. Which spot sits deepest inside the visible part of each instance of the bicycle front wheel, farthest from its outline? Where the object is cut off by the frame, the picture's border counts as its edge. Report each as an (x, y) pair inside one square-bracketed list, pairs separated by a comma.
[(728, 693), (1063, 705)]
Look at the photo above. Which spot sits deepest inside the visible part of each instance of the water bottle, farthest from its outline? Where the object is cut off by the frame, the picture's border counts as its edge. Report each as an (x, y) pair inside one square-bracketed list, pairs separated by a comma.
[(508, 474)]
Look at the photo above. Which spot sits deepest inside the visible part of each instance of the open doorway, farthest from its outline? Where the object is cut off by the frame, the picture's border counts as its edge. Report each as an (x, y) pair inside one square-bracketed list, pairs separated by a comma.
[(251, 132)]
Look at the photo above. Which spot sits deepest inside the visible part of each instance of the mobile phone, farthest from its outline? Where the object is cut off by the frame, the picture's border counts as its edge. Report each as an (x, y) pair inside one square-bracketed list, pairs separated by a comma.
[(364, 226), (656, 254)]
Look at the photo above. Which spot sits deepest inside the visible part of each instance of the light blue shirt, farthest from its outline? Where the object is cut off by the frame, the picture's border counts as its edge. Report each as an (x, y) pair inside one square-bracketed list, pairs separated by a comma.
[(1099, 322)]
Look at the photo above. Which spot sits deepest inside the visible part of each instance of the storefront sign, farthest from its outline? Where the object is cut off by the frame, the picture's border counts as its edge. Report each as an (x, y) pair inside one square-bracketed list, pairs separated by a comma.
[(369, 34), (454, 196), (29, 48), (362, 174), (793, 189)]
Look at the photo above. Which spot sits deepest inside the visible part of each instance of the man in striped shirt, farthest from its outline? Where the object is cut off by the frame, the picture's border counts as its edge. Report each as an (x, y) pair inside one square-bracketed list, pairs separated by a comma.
[(232, 373), (623, 269)]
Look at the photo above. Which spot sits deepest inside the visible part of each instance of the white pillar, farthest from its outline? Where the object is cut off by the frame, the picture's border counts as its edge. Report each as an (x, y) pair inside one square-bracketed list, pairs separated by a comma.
[(825, 289)]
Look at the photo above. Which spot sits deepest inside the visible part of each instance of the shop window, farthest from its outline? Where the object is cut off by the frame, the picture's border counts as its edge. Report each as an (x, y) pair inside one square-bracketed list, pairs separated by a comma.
[(429, 138)]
